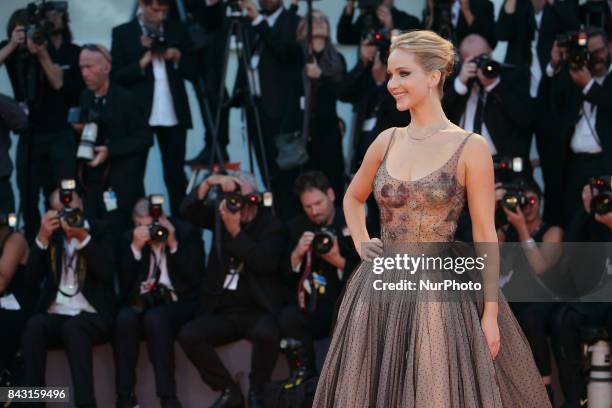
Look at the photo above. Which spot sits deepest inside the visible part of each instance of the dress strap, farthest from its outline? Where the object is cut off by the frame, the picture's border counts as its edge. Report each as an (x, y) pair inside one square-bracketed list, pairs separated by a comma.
[(389, 145), (461, 146)]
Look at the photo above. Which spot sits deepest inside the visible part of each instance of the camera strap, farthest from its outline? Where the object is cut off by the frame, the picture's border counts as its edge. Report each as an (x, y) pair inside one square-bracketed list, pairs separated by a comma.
[(305, 287), (587, 117), (74, 264), (156, 268)]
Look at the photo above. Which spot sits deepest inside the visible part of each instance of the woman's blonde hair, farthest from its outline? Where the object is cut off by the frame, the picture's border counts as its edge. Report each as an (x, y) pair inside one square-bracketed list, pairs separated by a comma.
[(433, 52)]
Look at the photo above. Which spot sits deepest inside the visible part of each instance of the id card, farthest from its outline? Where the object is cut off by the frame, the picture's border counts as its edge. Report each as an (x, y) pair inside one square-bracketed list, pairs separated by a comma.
[(110, 200), (369, 124), (9, 302), (231, 281)]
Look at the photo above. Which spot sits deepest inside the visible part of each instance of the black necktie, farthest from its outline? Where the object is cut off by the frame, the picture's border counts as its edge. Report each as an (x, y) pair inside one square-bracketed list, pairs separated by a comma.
[(479, 110)]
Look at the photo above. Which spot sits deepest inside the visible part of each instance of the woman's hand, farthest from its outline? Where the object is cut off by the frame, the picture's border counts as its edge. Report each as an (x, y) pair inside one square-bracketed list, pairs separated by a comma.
[(371, 249), (490, 328)]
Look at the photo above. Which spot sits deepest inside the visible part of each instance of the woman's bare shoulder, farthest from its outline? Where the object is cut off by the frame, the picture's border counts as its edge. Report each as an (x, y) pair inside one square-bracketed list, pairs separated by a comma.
[(379, 145)]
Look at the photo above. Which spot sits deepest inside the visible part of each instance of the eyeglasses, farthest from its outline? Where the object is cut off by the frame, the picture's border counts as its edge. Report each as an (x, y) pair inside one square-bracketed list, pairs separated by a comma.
[(99, 50)]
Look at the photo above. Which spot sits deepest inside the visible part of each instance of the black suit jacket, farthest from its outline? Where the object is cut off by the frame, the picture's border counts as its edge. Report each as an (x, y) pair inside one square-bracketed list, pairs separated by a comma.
[(98, 284), (506, 113), (127, 50), (518, 29), (124, 130), (351, 33), (484, 22), (565, 101), (260, 245), (185, 267)]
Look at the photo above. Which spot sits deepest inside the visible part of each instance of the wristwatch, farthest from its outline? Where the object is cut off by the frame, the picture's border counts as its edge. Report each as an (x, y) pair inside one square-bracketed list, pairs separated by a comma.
[(529, 244)]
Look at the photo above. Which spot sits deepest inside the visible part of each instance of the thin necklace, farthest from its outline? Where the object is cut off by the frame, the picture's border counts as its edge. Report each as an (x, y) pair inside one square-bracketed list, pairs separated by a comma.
[(429, 135)]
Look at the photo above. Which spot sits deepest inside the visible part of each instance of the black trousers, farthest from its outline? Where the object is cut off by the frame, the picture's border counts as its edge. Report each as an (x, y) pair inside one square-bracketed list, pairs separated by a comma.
[(77, 334), (306, 327), (200, 337), (159, 326), (13, 323), (580, 168), (7, 198), (172, 147), (52, 159)]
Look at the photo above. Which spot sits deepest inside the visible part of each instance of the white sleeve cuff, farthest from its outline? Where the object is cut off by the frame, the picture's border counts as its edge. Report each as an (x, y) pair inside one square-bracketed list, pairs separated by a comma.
[(173, 250), (296, 268), (137, 254), (460, 87), (40, 244), (257, 20), (83, 243), (550, 71), (588, 86)]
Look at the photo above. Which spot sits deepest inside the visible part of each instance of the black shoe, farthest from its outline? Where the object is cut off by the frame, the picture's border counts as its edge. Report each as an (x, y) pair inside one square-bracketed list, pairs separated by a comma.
[(170, 402), (203, 158), (231, 397), (126, 401), (256, 399)]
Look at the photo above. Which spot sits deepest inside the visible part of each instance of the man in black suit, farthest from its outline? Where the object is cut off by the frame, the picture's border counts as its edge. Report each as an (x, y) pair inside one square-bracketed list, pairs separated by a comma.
[(386, 16), (579, 98), (75, 308), (270, 30), (466, 17), (159, 285), (242, 291), (311, 264), (530, 27), (365, 86), (12, 117), (113, 179), (152, 57), (497, 108)]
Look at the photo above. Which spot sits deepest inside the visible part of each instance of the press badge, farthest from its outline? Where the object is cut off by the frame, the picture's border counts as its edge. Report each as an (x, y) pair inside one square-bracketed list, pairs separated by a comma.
[(9, 302), (369, 124), (302, 102), (231, 281), (110, 200)]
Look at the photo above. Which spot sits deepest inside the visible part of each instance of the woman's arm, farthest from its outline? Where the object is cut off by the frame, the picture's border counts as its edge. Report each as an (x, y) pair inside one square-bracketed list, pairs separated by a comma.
[(15, 252), (480, 185), (360, 188)]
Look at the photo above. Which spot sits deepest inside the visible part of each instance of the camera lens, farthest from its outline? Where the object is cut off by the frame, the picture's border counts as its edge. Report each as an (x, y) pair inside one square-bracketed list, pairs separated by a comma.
[(322, 242)]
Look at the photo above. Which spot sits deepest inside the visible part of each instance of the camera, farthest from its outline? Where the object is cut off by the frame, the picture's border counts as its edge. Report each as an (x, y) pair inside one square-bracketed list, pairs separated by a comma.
[(39, 28), (575, 42), (370, 19), (489, 67), (235, 200), (323, 241), (382, 41), (9, 220), (158, 232), (515, 197), (602, 202), (89, 136), (159, 44), (507, 168), (158, 295), (74, 217)]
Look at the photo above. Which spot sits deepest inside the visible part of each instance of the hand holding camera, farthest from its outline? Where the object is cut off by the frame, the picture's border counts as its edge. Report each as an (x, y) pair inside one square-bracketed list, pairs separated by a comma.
[(367, 52), (18, 37), (384, 16), (101, 154), (469, 70), (48, 225), (581, 76), (231, 219)]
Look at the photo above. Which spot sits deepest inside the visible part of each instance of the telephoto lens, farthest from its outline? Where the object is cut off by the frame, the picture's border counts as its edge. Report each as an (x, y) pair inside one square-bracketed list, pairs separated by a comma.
[(323, 241)]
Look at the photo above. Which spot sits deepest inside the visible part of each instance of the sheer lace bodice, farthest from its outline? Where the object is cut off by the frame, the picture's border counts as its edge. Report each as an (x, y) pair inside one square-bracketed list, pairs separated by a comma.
[(423, 210)]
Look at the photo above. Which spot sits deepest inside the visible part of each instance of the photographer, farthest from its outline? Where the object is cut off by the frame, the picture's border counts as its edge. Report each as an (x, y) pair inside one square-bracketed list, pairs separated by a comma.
[(242, 292), (530, 27), (162, 263), (16, 298), (577, 86), (321, 259), (491, 100), (73, 259), (113, 151), (43, 67), (527, 227), (375, 15), (456, 19), (365, 86), (152, 57), (12, 117)]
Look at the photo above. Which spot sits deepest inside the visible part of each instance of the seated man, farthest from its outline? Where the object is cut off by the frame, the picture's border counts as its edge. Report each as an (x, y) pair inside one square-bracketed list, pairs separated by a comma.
[(320, 257), (73, 258), (162, 262), (242, 292)]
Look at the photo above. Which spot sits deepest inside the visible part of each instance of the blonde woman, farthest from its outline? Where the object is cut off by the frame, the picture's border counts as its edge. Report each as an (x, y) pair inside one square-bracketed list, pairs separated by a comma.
[(397, 348)]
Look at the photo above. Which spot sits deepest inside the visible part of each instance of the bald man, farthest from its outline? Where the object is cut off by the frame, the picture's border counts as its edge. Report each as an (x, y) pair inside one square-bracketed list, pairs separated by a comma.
[(114, 179)]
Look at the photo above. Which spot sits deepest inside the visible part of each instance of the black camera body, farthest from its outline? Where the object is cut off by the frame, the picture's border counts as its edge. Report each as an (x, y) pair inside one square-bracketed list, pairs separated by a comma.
[(577, 52), (507, 169), (602, 202), (39, 28), (74, 217), (323, 240), (489, 67), (159, 44), (157, 232), (159, 295), (381, 39)]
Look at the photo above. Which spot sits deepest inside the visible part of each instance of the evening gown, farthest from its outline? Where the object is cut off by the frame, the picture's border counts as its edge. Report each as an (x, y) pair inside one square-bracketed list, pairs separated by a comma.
[(395, 352)]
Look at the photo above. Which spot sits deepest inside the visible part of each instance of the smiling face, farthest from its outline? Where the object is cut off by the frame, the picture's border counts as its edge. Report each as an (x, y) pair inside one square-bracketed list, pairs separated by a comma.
[(408, 82)]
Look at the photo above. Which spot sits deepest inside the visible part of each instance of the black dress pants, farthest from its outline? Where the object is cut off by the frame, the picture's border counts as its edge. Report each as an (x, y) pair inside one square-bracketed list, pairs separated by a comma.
[(172, 147), (200, 337), (159, 326), (77, 334)]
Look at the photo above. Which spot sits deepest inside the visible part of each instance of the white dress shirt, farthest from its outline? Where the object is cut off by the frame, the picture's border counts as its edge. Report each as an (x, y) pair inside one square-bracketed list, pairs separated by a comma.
[(158, 254), (536, 70), (69, 281), (467, 119), (455, 13)]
